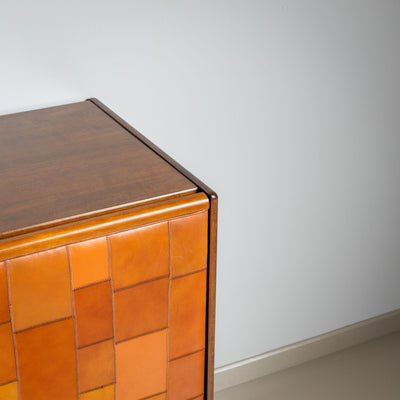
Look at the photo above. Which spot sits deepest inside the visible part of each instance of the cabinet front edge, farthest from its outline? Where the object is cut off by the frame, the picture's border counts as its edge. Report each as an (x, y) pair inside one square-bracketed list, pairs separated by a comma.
[(102, 225)]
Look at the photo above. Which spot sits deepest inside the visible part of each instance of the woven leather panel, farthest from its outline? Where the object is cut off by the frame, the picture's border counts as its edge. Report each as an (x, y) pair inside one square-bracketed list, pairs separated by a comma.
[(114, 318)]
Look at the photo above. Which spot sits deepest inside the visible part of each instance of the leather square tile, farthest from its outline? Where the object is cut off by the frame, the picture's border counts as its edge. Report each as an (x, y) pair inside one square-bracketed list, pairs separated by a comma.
[(189, 244), (4, 309), (96, 365), (89, 260), (162, 396), (141, 309), (40, 288), (7, 356), (9, 391), (47, 361), (186, 377), (139, 255), (142, 366), (94, 314), (105, 393), (188, 314)]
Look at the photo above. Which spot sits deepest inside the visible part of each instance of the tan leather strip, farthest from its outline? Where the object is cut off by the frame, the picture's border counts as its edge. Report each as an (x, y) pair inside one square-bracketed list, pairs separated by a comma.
[(103, 225)]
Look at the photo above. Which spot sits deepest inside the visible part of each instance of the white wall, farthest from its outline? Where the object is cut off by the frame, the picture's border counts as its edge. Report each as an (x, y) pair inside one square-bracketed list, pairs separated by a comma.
[(290, 110)]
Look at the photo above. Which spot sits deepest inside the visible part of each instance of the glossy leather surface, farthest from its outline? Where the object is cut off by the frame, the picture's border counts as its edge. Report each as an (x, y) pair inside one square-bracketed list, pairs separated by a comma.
[(140, 255), (94, 313), (142, 366), (89, 262), (9, 391), (47, 361), (120, 317), (96, 365), (141, 309), (40, 288), (4, 309), (162, 396), (189, 244), (105, 393), (7, 358), (187, 314), (186, 377)]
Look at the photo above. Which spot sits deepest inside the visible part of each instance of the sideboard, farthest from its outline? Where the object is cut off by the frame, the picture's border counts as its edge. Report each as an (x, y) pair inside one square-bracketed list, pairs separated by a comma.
[(107, 262)]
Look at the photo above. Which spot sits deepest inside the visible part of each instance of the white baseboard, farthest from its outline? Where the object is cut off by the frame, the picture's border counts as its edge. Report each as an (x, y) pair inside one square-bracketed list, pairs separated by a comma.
[(306, 350)]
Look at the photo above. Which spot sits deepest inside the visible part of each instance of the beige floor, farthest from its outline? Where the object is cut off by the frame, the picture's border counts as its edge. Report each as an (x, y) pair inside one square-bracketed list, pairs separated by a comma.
[(370, 371)]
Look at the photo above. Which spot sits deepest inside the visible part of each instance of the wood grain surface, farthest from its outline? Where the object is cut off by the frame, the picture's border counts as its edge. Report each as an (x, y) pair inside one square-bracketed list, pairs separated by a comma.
[(70, 161)]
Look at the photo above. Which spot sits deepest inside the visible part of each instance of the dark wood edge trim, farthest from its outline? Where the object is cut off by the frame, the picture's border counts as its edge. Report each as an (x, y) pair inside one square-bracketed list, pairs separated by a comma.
[(211, 296), (212, 240)]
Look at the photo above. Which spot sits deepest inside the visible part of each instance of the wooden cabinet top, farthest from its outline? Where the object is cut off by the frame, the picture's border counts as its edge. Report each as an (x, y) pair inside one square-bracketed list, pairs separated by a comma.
[(76, 161)]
